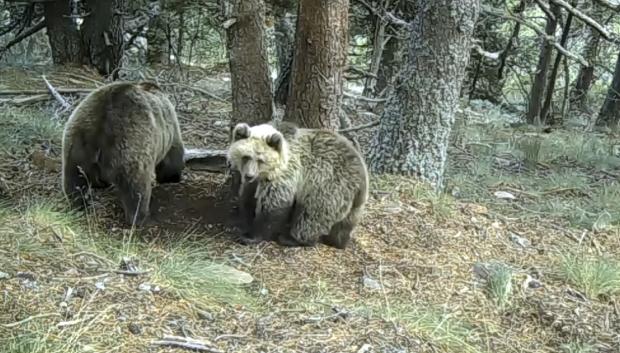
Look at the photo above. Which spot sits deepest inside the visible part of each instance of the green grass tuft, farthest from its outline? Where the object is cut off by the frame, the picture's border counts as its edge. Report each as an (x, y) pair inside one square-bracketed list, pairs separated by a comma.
[(595, 276), (578, 347), (499, 284)]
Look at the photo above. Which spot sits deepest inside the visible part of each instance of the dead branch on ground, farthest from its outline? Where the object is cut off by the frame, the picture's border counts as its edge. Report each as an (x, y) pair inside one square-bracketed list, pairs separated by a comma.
[(187, 343), (56, 95)]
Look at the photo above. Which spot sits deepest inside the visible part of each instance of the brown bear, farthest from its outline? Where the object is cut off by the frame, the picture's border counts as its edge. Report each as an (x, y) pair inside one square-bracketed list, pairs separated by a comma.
[(299, 186), (123, 134)]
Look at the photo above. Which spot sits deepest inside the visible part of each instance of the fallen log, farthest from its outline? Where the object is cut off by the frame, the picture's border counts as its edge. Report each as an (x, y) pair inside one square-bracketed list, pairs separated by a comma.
[(206, 159)]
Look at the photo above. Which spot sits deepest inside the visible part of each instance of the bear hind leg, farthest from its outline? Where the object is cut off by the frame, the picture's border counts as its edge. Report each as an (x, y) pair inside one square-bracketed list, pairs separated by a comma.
[(170, 169), (307, 226)]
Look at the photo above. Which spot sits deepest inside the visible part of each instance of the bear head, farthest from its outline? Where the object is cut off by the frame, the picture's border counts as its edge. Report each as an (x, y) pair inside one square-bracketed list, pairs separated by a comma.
[(258, 152)]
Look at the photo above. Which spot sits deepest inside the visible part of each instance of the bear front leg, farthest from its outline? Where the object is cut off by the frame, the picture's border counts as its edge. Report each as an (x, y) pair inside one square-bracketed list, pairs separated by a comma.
[(135, 196), (269, 225)]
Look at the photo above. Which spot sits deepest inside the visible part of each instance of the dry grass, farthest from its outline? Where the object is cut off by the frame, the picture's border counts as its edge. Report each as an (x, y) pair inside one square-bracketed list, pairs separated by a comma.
[(406, 284)]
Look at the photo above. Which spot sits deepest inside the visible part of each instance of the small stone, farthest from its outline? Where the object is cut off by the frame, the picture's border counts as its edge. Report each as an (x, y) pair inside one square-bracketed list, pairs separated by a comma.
[(134, 328), (156, 289), (144, 287), (519, 240), (371, 283), (4, 275), (264, 291), (100, 285), (204, 315), (26, 275)]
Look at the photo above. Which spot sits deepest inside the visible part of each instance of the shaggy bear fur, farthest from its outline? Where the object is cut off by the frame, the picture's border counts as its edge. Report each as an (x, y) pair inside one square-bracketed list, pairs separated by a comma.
[(299, 186), (123, 134)]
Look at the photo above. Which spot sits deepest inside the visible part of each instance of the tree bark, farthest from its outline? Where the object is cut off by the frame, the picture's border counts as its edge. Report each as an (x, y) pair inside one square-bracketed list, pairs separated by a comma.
[(319, 63), (610, 111), (102, 35), (415, 125), (99, 42), (545, 115), (64, 38), (285, 43), (486, 83), (537, 90), (252, 100)]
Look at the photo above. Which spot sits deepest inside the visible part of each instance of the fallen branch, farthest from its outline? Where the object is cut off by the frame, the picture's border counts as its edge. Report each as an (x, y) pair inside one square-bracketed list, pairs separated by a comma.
[(205, 159), (27, 100), (29, 318), (41, 91), (199, 90), (56, 95), (74, 322), (188, 343)]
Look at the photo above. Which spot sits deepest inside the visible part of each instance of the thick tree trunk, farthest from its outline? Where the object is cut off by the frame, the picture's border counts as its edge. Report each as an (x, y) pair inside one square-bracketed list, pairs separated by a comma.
[(319, 63), (610, 111), (247, 51), (99, 43), (63, 35), (537, 90), (102, 35), (415, 125)]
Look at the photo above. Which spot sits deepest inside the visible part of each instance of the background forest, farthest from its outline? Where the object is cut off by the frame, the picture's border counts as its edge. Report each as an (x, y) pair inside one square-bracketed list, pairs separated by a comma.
[(489, 128)]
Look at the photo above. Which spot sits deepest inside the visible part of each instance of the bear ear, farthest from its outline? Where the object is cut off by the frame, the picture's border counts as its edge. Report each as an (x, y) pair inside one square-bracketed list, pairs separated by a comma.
[(241, 131), (276, 141)]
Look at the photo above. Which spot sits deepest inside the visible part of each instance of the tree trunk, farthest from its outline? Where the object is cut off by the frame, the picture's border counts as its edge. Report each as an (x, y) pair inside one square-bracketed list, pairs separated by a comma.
[(319, 63), (545, 115), (415, 126), (102, 35), (512, 42), (64, 38), (610, 111), (390, 62), (247, 51), (483, 71), (378, 46), (579, 93), (285, 41), (537, 90), (157, 44)]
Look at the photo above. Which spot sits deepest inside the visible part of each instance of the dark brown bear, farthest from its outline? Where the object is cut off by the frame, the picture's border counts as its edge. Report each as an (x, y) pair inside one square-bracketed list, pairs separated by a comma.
[(123, 134)]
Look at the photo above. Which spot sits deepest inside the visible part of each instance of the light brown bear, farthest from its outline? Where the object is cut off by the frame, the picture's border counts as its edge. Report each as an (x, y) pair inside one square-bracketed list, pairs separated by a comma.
[(299, 186), (123, 134)]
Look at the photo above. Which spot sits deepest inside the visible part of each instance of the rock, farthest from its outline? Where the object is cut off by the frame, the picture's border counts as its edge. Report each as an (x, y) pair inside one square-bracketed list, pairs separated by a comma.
[(371, 283), (519, 240), (264, 291), (231, 275), (4, 275), (145, 287), (134, 328), (100, 285), (504, 195), (204, 315), (26, 275)]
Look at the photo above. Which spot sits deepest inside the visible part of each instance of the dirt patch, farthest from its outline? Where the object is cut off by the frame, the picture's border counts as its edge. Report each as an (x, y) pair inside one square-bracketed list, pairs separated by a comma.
[(202, 203)]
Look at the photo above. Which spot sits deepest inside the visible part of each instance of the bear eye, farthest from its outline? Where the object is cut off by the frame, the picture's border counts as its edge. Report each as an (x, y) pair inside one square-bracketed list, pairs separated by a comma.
[(246, 159), (260, 160)]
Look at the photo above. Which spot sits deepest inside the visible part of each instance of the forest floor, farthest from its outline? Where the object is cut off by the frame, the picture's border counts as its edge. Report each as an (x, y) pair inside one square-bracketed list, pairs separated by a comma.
[(521, 255)]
